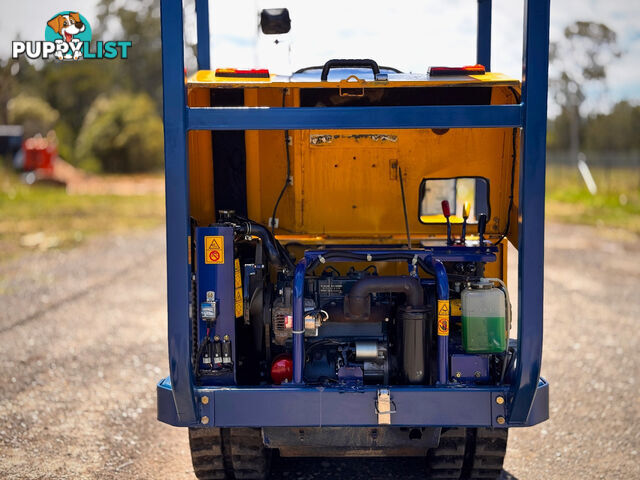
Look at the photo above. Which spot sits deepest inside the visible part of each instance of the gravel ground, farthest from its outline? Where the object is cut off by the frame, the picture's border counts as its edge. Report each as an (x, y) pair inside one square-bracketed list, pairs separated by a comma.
[(83, 342)]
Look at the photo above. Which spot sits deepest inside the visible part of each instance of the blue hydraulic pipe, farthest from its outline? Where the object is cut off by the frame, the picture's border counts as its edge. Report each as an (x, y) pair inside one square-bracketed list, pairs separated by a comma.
[(442, 292), (298, 320)]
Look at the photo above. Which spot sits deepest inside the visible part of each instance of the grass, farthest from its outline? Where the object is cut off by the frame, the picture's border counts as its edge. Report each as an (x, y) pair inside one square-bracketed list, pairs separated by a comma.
[(615, 205), (43, 217)]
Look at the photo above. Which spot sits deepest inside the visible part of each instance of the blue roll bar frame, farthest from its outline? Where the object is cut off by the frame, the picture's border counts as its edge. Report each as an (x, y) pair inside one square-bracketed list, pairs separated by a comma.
[(530, 115)]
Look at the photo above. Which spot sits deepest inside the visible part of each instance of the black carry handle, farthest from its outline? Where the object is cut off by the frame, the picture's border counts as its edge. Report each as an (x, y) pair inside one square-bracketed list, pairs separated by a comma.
[(349, 63)]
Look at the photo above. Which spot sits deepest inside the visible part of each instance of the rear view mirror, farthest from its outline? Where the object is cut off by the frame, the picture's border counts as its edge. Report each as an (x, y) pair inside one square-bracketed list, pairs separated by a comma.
[(456, 191), (275, 21)]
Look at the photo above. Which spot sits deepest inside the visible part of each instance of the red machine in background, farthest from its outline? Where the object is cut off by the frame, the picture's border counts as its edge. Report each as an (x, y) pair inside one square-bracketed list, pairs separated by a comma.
[(37, 160)]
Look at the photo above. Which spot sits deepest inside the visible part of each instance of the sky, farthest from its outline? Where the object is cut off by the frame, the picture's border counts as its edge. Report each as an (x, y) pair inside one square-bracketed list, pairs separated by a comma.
[(407, 34)]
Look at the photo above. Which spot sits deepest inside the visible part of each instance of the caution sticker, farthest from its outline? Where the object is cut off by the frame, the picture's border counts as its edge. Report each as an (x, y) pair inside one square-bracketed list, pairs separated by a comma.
[(238, 290), (239, 302), (443, 308), (443, 317), (214, 250), (238, 277), (443, 326)]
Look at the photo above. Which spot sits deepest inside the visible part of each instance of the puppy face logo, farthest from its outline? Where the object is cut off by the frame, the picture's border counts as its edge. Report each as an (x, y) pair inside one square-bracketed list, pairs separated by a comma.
[(71, 28)]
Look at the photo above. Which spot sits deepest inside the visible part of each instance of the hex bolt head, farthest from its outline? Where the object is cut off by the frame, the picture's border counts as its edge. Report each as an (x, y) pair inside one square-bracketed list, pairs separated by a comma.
[(477, 374), (500, 400), (204, 400), (458, 374), (500, 419), (205, 420)]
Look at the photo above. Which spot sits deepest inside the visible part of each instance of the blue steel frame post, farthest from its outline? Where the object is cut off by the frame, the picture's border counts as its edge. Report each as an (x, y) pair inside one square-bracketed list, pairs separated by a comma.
[(177, 207), (298, 321), (202, 22), (442, 289), (531, 225), (483, 45)]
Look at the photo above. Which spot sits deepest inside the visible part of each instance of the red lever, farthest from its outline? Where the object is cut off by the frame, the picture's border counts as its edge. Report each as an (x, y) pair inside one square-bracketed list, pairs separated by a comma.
[(446, 211)]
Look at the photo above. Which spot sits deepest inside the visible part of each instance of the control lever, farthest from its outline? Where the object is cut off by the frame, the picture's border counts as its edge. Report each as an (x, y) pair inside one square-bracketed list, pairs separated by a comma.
[(446, 211), (482, 225), (466, 209)]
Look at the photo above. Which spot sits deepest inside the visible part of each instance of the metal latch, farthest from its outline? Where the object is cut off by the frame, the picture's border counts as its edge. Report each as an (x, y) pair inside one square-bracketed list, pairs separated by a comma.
[(384, 406)]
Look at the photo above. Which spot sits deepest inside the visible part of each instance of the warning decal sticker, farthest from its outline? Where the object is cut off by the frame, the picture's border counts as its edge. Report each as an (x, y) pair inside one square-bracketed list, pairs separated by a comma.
[(239, 301), (443, 326), (443, 317), (214, 250)]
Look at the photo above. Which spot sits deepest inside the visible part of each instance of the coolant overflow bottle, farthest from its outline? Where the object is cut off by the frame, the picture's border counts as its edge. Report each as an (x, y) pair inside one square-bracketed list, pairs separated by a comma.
[(484, 327)]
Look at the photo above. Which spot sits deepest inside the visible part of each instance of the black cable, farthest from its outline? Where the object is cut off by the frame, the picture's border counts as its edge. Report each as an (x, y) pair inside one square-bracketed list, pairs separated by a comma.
[(513, 179), (404, 207), (516, 97), (286, 181)]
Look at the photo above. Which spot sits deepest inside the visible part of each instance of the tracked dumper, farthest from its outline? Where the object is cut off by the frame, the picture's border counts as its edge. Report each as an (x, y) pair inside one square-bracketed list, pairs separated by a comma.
[(337, 257)]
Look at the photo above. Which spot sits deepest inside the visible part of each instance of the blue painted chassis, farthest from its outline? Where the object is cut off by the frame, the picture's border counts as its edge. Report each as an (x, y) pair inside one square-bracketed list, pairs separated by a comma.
[(443, 405)]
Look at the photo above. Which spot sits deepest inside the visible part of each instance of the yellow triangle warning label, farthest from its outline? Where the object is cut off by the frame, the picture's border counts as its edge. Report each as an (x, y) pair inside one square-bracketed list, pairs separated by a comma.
[(443, 308), (214, 249)]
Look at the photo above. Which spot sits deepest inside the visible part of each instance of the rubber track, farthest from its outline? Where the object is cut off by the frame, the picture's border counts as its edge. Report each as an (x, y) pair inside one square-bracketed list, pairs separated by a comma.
[(250, 460), (206, 453), (229, 453), (468, 454)]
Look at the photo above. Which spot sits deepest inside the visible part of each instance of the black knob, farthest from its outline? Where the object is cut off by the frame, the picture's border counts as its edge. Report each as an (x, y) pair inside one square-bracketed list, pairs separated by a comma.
[(482, 225)]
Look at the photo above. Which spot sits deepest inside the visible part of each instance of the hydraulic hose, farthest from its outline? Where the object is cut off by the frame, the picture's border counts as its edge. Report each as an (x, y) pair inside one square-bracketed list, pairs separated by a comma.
[(276, 254)]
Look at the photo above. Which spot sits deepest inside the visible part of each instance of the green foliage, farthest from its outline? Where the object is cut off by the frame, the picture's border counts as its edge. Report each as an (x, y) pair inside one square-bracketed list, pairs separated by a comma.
[(72, 88), (121, 134), (604, 132), (616, 131), (33, 113)]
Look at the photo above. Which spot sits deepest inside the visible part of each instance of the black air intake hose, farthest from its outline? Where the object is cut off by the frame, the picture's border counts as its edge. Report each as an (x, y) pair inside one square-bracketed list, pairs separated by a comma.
[(358, 297), (276, 254)]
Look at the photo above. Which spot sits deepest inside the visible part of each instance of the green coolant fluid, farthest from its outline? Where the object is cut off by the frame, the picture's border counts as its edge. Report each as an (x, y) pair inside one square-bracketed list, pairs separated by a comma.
[(484, 328)]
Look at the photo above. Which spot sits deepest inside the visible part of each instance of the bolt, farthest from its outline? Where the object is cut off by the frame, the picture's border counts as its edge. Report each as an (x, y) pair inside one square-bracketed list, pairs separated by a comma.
[(216, 338), (500, 419), (204, 420), (458, 374), (226, 338), (500, 400), (477, 374), (204, 400)]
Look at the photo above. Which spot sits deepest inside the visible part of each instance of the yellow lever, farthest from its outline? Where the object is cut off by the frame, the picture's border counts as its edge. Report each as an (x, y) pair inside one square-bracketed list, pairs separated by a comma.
[(466, 209)]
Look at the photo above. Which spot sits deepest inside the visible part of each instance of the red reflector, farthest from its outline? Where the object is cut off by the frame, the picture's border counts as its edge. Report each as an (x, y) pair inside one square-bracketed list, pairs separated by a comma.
[(282, 369), (237, 73), (468, 70)]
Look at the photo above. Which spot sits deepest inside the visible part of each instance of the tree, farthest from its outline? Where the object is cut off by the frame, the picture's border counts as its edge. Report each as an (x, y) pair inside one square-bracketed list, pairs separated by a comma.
[(33, 113), (122, 133), (580, 59)]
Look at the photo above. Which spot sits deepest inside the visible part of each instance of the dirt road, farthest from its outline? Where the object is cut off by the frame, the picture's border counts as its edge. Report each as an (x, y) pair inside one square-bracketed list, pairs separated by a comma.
[(83, 342)]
